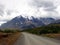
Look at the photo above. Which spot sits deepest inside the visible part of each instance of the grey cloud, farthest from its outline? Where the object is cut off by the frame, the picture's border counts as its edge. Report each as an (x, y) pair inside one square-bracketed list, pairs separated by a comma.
[(1, 9), (42, 3), (47, 5), (3, 20), (9, 12), (50, 9)]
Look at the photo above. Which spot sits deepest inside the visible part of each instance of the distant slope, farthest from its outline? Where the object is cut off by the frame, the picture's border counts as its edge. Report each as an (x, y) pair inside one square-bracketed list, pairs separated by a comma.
[(47, 21), (51, 28)]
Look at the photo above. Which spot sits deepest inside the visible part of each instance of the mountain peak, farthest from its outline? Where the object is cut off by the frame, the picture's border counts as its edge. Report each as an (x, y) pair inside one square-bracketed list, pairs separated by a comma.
[(21, 22)]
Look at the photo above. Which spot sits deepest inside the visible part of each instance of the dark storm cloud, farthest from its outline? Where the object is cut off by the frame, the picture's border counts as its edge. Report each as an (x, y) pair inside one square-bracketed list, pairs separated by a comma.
[(47, 5), (1, 9)]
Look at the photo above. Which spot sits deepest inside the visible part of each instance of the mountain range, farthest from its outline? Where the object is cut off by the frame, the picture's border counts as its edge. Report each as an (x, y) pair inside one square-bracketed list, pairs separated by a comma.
[(21, 22)]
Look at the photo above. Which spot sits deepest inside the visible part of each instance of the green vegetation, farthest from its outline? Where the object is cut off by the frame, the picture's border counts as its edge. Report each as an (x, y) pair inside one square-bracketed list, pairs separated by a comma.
[(49, 29), (9, 30)]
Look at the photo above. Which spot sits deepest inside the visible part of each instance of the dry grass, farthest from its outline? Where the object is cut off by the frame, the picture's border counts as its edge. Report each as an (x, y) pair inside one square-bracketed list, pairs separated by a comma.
[(56, 36), (8, 39)]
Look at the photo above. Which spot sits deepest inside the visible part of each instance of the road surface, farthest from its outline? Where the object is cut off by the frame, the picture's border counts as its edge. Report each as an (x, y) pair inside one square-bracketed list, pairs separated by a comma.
[(30, 39)]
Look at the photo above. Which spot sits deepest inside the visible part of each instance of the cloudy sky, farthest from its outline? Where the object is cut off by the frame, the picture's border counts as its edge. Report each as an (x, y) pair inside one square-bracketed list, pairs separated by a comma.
[(37, 8)]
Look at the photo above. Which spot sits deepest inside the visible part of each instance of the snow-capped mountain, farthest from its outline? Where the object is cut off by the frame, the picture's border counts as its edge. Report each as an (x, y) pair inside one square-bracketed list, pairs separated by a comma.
[(47, 21), (21, 22)]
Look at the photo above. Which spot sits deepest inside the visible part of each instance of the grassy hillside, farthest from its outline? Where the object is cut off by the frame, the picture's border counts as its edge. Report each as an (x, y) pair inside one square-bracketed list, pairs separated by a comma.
[(52, 28)]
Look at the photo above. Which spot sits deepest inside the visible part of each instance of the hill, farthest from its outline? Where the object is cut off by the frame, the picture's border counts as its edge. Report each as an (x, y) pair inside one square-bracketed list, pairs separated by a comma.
[(49, 29)]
